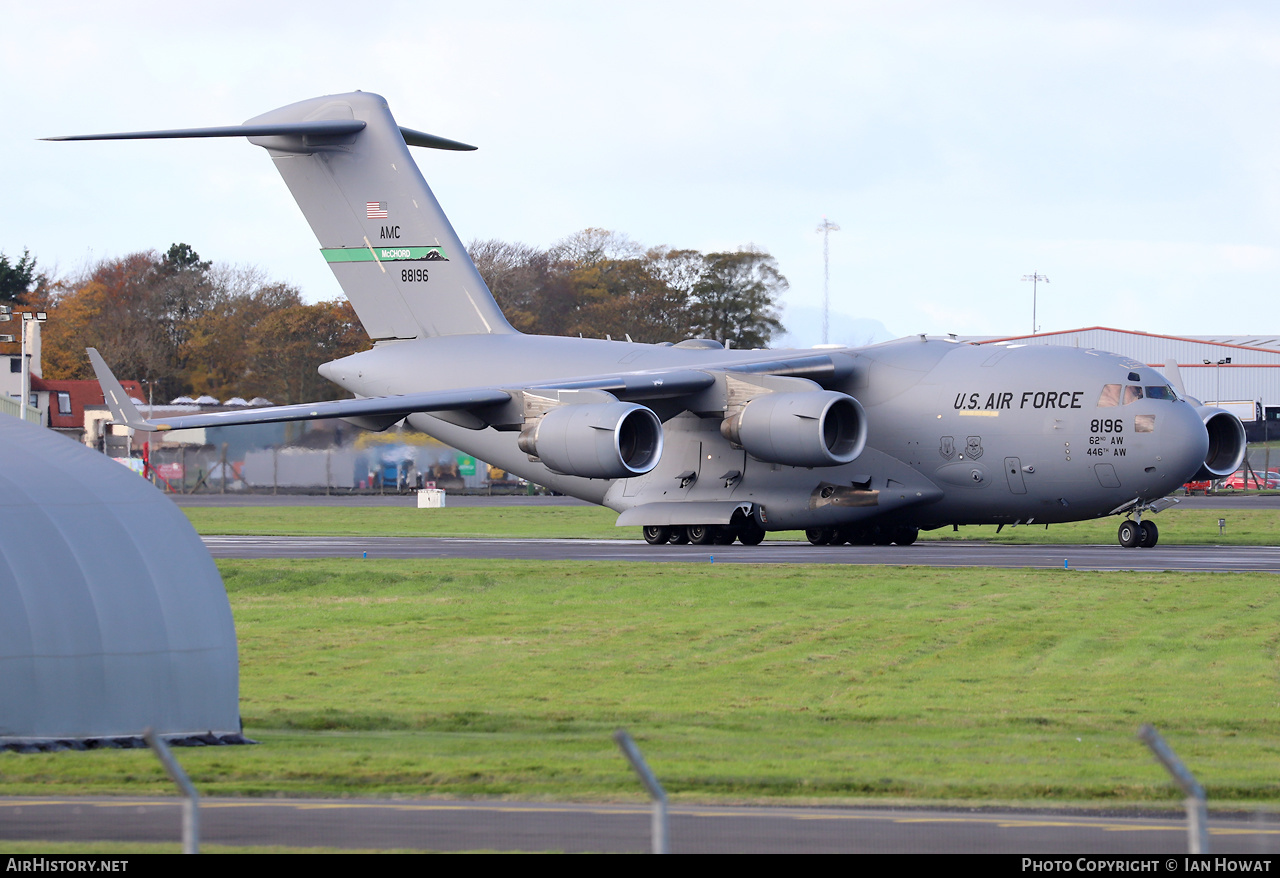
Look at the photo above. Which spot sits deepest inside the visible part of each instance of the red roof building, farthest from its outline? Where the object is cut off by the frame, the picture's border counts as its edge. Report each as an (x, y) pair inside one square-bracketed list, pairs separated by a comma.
[(62, 402)]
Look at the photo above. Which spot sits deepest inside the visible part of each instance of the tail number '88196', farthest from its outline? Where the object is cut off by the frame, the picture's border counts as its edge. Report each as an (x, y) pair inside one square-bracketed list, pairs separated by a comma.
[(1106, 425), (413, 275)]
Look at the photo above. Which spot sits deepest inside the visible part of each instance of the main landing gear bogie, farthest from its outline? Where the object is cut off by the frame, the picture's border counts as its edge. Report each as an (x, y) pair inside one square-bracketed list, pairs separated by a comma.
[(752, 534), (749, 534), (874, 535), (1138, 534)]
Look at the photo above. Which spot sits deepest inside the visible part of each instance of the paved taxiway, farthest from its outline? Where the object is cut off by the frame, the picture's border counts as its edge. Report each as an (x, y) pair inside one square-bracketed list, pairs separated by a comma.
[(530, 826), (930, 554), (926, 553)]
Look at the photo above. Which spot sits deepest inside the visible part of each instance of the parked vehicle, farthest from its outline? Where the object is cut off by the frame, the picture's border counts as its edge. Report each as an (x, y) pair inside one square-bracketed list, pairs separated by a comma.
[(1244, 480)]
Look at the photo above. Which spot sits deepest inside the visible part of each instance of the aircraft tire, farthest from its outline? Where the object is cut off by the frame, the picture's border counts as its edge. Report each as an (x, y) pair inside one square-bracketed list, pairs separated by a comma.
[(905, 536), (819, 536), (1150, 534), (656, 535), (1129, 534), (857, 536), (751, 534), (725, 536), (679, 536), (702, 534)]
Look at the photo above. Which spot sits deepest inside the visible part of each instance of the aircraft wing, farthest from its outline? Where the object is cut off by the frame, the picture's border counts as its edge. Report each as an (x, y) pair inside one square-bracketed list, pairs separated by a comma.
[(386, 410), (123, 411)]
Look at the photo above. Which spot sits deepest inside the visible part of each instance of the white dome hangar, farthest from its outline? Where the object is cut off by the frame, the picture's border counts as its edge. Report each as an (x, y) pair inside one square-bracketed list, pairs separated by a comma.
[(113, 616)]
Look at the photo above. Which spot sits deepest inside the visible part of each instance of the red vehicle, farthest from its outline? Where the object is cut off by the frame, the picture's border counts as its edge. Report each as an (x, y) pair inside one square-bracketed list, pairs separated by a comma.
[(1244, 480)]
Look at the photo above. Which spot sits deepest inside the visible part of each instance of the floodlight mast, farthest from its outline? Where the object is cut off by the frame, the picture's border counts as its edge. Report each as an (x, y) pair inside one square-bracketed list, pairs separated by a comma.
[(27, 319), (826, 228), (1035, 279)]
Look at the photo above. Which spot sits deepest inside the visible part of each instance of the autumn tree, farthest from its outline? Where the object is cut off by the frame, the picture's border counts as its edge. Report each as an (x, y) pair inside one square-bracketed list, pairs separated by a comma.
[(289, 343), (599, 283), (219, 340), (519, 277), (187, 326), (118, 308)]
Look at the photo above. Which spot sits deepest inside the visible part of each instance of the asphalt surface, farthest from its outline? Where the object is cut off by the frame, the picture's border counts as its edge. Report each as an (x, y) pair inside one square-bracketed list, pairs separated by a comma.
[(930, 554), (535, 826)]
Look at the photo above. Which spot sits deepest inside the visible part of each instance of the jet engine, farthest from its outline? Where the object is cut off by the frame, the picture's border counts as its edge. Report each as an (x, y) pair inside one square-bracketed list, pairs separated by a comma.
[(615, 440), (816, 428), (1226, 443)]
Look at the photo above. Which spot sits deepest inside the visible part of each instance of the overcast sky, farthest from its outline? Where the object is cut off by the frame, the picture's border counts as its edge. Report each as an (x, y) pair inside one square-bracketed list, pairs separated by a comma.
[(1128, 151)]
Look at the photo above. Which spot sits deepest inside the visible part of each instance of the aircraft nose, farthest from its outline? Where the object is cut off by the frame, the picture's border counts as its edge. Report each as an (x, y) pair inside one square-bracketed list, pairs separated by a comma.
[(1185, 445)]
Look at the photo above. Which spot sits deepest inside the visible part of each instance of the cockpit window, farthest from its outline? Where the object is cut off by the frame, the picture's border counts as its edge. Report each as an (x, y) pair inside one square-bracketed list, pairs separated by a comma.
[(1110, 396), (1165, 392), (1132, 393)]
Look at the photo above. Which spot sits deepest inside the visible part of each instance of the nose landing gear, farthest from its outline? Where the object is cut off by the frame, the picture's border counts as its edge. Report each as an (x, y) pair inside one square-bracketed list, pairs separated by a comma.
[(1135, 532), (1140, 534)]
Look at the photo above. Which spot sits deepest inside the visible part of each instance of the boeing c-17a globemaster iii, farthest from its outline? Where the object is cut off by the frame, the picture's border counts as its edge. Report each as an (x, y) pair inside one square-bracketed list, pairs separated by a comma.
[(693, 442)]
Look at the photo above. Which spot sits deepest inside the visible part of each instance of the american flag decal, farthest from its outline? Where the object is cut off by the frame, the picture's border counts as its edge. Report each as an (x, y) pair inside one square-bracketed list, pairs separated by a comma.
[(375, 209)]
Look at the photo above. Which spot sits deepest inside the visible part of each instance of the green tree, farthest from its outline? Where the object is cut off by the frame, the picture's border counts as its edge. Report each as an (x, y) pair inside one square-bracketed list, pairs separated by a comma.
[(17, 279), (736, 298)]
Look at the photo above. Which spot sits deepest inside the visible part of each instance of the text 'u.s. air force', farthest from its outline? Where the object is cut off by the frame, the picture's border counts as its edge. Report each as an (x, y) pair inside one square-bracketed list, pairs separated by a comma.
[(1027, 399)]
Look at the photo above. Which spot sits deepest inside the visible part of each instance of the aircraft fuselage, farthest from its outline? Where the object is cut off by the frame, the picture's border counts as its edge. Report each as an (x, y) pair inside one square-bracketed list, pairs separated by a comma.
[(956, 433)]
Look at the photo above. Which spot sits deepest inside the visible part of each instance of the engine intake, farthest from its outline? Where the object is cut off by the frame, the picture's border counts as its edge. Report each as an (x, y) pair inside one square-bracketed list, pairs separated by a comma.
[(816, 428), (615, 440), (1227, 443)]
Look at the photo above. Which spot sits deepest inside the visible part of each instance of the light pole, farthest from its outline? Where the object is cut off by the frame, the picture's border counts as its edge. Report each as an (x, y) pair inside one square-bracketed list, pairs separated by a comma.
[(826, 228), (29, 320), (1218, 375), (1035, 279)]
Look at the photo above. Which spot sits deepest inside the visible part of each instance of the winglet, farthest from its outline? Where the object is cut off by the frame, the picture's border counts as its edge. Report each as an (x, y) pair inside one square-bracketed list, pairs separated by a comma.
[(122, 408), (1174, 374)]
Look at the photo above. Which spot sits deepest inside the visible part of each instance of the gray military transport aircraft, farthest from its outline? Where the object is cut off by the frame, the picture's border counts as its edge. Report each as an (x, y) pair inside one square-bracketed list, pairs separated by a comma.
[(691, 441)]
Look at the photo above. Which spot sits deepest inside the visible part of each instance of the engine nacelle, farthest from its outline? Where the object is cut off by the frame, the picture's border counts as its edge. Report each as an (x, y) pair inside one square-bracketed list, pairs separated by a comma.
[(614, 440), (1227, 443), (815, 428)]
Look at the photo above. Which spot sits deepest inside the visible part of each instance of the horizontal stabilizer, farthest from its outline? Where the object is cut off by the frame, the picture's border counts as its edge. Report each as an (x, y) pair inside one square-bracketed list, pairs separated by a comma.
[(329, 127), (317, 128), (430, 141)]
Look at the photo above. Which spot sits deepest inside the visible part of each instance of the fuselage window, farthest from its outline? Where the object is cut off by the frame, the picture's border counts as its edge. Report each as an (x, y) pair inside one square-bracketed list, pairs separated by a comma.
[(1132, 393), (1144, 423), (1165, 392), (1110, 396)]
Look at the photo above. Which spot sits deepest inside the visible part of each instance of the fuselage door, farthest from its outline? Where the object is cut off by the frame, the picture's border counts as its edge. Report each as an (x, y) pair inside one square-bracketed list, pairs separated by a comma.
[(1013, 472)]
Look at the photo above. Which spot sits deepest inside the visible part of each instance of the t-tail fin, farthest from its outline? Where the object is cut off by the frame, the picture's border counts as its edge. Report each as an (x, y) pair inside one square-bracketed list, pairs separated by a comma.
[(380, 228)]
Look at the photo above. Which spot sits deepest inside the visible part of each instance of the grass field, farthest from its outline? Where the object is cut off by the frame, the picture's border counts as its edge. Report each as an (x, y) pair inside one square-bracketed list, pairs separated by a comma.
[(484, 678), (1177, 526)]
